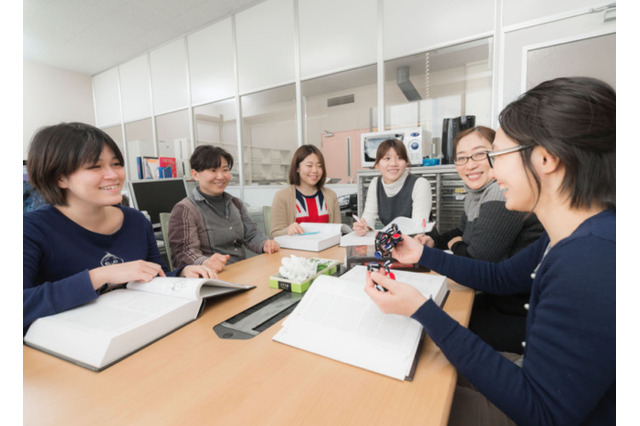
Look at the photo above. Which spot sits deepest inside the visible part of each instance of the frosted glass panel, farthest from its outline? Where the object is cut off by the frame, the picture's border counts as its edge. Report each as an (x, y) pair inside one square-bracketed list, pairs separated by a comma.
[(518, 43), (412, 26), (211, 63), (518, 11), (593, 57), (336, 35), (107, 97), (135, 86), (265, 36), (169, 77)]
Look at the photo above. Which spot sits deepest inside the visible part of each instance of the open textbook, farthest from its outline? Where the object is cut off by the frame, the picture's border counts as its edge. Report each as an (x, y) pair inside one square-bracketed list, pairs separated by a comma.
[(316, 237), (120, 322), (406, 225), (338, 320)]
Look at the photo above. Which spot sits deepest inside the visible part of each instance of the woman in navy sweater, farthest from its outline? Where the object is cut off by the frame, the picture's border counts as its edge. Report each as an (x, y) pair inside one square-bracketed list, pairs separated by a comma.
[(554, 155), (82, 242)]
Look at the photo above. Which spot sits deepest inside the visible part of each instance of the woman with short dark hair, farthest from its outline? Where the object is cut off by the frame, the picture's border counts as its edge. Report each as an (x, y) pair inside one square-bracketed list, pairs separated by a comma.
[(83, 241), (554, 155), (211, 227), (306, 199)]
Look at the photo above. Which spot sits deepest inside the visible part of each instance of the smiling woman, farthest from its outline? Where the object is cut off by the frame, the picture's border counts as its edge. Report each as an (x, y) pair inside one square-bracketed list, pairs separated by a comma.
[(396, 192), (82, 240), (488, 231), (211, 227), (306, 199)]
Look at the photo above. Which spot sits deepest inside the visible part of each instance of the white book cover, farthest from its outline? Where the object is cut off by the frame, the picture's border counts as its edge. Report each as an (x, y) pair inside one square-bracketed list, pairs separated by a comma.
[(316, 237), (338, 320)]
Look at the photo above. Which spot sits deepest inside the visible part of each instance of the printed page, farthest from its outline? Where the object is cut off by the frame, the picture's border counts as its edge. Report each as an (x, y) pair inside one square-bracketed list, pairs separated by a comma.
[(187, 288), (337, 319)]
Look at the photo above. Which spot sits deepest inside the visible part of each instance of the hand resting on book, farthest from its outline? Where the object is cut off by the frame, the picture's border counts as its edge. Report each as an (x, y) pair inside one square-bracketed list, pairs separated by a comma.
[(141, 270)]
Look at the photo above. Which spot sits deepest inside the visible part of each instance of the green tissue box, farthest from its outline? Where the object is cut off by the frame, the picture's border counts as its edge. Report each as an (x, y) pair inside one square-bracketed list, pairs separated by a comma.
[(325, 267)]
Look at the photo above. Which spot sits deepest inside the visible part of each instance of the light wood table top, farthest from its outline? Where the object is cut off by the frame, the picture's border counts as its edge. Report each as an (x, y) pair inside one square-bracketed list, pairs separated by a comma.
[(193, 377)]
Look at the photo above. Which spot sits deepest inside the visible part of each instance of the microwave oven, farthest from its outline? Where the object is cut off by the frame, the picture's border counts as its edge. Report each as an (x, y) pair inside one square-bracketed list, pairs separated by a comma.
[(412, 139)]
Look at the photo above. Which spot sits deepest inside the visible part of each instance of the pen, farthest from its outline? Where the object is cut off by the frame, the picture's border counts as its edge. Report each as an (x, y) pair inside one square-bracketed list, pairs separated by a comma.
[(356, 218), (308, 233)]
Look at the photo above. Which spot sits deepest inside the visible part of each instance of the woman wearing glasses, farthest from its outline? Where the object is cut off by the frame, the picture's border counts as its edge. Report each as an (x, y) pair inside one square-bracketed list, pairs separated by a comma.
[(488, 231), (554, 155)]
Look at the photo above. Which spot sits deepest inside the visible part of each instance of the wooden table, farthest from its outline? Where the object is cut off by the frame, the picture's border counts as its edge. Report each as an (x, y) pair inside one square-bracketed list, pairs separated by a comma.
[(193, 377)]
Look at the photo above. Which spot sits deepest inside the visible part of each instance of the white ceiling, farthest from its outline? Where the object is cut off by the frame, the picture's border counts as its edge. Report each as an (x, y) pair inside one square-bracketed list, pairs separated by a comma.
[(91, 36)]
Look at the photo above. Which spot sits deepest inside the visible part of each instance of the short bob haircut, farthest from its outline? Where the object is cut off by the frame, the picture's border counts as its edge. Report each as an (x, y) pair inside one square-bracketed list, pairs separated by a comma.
[(58, 151), (574, 119), (485, 133), (298, 157), (397, 146), (207, 157)]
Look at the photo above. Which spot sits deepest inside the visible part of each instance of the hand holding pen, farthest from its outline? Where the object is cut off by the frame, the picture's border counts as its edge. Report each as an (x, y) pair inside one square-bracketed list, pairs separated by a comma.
[(360, 226)]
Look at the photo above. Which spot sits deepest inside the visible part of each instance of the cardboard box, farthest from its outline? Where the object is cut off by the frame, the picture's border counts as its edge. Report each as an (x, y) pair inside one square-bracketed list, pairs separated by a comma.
[(329, 267)]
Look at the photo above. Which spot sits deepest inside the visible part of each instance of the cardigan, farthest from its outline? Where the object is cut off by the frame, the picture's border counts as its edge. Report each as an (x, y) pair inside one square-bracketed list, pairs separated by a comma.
[(283, 209), (196, 231), (568, 374), (58, 254)]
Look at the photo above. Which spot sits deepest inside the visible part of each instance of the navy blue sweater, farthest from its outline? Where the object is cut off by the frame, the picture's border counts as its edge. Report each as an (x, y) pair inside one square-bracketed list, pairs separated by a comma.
[(568, 373), (58, 254)]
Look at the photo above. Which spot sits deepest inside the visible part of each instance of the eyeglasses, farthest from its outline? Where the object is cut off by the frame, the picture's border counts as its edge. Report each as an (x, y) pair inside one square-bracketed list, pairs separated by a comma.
[(478, 156), (491, 155)]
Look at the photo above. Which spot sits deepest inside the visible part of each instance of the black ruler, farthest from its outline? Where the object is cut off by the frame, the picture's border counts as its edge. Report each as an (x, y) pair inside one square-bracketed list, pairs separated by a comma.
[(257, 318)]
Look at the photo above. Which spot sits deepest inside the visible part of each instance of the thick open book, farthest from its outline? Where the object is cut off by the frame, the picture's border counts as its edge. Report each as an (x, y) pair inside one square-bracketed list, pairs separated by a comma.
[(120, 322), (338, 320), (317, 236), (406, 225)]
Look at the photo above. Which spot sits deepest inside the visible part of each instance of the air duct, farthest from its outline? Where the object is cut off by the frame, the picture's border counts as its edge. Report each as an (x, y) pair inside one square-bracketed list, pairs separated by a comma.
[(406, 86)]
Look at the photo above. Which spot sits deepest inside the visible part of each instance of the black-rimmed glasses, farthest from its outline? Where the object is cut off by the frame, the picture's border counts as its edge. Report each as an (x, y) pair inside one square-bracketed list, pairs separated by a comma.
[(462, 160), (492, 154)]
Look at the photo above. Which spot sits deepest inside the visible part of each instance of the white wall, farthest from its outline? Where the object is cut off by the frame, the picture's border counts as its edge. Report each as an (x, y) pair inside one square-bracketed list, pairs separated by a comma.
[(52, 95)]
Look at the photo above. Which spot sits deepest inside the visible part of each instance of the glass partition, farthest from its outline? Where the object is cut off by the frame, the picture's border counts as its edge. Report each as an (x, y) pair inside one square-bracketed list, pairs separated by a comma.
[(215, 124), (337, 109), (172, 130), (269, 134), (422, 90), (139, 136)]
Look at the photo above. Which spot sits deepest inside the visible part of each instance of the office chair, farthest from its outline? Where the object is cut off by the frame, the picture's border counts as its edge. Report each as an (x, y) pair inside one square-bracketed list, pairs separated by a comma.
[(266, 211), (164, 226)]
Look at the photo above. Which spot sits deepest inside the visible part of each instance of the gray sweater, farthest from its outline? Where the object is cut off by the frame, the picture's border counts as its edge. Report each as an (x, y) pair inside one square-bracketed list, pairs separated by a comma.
[(489, 231), (201, 226)]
